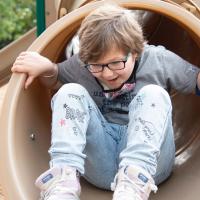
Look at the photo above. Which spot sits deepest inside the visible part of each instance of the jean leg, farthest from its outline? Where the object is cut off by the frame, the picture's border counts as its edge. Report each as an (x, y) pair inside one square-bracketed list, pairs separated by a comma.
[(166, 158), (101, 150), (81, 137), (150, 142), (70, 118)]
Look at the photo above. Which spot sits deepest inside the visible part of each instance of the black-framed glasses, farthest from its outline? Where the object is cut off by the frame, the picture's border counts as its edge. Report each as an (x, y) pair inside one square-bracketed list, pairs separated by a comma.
[(115, 65)]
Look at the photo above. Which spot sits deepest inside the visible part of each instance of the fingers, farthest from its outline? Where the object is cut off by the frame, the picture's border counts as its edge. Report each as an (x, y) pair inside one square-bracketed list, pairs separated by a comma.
[(21, 63), (16, 65), (19, 66), (28, 82), (25, 63), (26, 53)]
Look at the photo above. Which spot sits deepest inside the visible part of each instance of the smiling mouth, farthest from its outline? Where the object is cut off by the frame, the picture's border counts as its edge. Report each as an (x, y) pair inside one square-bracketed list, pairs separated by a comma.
[(114, 79)]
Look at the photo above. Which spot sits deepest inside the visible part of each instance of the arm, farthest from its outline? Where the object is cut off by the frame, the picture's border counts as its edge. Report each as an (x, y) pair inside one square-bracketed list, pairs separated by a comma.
[(181, 75), (35, 65), (50, 80)]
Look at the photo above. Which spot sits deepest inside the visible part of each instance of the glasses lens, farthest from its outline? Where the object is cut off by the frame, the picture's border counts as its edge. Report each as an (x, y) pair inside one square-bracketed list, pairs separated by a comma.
[(95, 68), (116, 65)]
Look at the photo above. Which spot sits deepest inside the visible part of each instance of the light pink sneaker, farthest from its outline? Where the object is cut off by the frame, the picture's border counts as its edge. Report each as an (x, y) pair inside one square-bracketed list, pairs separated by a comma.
[(59, 184), (132, 183)]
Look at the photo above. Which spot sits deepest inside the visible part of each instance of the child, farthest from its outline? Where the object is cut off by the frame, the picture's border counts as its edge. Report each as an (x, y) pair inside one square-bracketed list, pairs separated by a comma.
[(112, 118)]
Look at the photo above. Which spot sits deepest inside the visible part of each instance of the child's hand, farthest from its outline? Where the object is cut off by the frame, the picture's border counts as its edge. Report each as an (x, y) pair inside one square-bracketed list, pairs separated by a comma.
[(34, 65)]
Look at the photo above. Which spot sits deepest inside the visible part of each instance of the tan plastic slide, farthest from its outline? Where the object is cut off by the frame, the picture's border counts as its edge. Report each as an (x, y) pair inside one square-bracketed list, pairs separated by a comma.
[(54, 10), (25, 116)]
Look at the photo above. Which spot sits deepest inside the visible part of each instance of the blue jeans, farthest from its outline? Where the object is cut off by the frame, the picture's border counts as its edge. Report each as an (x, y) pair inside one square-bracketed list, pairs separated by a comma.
[(82, 138)]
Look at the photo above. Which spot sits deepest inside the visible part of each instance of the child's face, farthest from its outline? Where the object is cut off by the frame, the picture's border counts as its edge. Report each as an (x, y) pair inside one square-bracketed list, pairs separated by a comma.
[(115, 78)]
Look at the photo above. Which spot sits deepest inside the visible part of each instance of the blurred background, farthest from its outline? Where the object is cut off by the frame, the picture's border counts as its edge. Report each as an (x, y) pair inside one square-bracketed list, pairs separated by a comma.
[(16, 18)]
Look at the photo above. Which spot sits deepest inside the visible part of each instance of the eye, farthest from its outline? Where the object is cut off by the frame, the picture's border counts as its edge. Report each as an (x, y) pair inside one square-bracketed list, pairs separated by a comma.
[(116, 63), (95, 66)]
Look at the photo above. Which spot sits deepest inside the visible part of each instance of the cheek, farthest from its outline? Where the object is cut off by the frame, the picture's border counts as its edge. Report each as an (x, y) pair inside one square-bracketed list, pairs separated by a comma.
[(126, 72), (96, 75), (129, 68)]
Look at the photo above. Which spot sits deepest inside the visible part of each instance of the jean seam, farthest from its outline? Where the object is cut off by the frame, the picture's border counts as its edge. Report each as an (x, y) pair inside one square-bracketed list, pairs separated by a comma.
[(166, 118)]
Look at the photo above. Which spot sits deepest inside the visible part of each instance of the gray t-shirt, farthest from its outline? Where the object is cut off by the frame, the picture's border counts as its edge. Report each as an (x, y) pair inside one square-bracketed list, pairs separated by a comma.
[(156, 66)]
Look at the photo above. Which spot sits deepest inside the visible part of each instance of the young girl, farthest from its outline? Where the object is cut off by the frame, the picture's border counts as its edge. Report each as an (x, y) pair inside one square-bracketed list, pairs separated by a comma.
[(112, 117)]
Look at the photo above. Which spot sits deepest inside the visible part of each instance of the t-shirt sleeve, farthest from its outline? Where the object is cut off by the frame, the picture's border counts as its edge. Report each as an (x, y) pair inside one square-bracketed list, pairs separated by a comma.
[(180, 74), (69, 69)]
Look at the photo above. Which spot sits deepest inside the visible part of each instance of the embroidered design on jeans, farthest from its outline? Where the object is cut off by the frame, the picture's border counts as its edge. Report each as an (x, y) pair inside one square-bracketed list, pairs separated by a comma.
[(137, 128), (148, 128), (139, 100), (75, 130), (153, 105), (148, 132), (62, 122), (73, 114), (75, 96)]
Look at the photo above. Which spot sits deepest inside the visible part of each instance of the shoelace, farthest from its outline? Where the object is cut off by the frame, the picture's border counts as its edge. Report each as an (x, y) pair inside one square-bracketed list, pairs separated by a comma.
[(128, 188)]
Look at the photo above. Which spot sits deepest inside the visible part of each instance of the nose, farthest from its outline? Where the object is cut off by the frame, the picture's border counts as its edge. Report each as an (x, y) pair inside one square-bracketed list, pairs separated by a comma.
[(107, 73)]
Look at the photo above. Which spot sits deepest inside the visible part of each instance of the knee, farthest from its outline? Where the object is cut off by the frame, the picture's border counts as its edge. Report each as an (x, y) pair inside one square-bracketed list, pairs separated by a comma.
[(155, 91), (72, 88), (152, 93)]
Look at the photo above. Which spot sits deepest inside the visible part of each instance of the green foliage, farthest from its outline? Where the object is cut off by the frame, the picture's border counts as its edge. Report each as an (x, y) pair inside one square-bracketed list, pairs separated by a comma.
[(16, 18)]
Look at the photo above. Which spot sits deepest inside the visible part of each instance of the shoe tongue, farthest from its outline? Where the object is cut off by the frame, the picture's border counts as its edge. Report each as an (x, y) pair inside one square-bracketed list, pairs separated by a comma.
[(46, 179)]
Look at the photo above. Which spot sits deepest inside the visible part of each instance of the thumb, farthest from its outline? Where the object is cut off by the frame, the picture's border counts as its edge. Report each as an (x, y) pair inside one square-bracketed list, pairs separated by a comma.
[(29, 80)]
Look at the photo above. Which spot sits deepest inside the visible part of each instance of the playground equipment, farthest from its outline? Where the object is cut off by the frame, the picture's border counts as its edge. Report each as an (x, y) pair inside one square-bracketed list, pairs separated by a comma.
[(50, 13), (25, 122), (53, 11)]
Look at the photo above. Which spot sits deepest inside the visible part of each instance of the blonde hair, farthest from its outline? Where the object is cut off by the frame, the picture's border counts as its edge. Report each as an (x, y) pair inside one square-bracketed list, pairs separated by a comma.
[(107, 27)]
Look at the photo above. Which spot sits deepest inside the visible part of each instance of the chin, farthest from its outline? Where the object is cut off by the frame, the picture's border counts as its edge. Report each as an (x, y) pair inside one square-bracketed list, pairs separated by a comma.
[(114, 86)]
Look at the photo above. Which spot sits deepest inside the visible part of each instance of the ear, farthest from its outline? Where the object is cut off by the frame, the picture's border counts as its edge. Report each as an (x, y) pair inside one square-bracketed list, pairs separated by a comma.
[(134, 56)]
